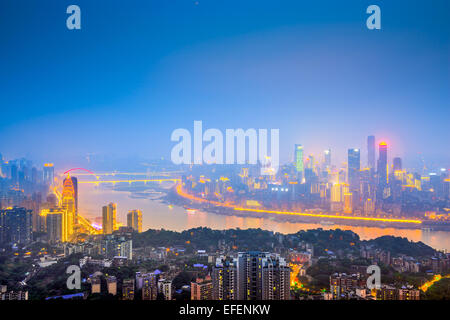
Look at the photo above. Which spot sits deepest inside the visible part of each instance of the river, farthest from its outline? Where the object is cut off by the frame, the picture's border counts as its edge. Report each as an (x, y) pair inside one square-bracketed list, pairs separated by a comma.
[(157, 215)]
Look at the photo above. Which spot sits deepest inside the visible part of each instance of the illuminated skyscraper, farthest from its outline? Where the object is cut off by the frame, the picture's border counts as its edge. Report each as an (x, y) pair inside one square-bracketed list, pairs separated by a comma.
[(109, 218), (249, 275), (134, 220), (75, 194), (336, 193), (298, 160), (48, 173), (275, 278), (54, 223), (371, 152), (68, 205), (354, 165), (327, 159), (348, 203), (382, 169), (224, 278)]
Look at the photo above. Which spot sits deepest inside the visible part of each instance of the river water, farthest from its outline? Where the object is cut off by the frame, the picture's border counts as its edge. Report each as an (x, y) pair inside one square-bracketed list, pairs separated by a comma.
[(157, 215)]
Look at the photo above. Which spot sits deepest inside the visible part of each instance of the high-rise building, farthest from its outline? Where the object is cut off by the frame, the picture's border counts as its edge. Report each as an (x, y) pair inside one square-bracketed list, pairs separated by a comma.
[(134, 220), (354, 166), (109, 218), (202, 289), (369, 206), (15, 225), (224, 278), (382, 169), (275, 278), (249, 275), (341, 283), (48, 173), (348, 203), (69, 206), (397, 164), (111, 283), (128, 289), (371, 152), (165, 288), (74, 186), (54, 220), (117, 246), (95, 285), (327, 159), (149, 287), (298, 161)]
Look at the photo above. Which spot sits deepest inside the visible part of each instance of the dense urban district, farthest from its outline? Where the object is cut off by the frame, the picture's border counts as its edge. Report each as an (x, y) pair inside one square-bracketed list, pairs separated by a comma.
[(51, 249), (205, 264)]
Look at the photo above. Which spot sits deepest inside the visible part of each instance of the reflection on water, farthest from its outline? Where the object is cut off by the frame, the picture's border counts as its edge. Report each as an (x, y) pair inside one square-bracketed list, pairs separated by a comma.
[(157, 215)]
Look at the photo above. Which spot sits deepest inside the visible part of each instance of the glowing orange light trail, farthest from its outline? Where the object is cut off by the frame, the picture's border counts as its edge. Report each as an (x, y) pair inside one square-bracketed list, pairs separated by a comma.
[(428, 284), (319, 215), (131, 181), (315, 215)]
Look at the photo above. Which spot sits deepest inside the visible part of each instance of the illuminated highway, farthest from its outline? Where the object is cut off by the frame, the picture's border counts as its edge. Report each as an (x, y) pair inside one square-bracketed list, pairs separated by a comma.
[(168, 173), (85, 223), (291, 213), (428, 284), (97, 182)]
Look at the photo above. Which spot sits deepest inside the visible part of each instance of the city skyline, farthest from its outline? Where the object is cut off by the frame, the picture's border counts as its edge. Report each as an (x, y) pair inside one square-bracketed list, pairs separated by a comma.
[(198, 150)]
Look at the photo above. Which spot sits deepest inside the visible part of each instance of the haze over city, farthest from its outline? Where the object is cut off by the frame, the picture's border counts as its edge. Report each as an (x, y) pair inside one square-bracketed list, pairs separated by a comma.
[(120, 86)]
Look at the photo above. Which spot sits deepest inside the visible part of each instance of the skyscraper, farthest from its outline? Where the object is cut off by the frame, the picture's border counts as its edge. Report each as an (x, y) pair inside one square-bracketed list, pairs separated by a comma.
[(165, 287), (15, 225), (109, 218), (327, 159), (275, 278), (202, 289), (69, 206), (397, 164), (48, 173), (371, 152), (224, 278), (74, 186), (54, 224), (354, 165), (298, 160), (382, 169), (149, 287), (134, 220), (128, 289), (117, 246), (348, 202), (249, 275)]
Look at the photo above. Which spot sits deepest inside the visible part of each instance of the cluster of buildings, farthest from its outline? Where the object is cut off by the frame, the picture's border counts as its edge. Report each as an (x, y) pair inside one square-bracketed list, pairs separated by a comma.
[(354, 286), (376, 188), (148, 284), (404, 263), (31, 200), (6, 294), (249, 276)]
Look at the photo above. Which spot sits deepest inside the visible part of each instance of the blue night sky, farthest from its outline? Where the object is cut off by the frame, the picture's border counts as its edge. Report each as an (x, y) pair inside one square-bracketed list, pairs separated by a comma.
[(137, 70)]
